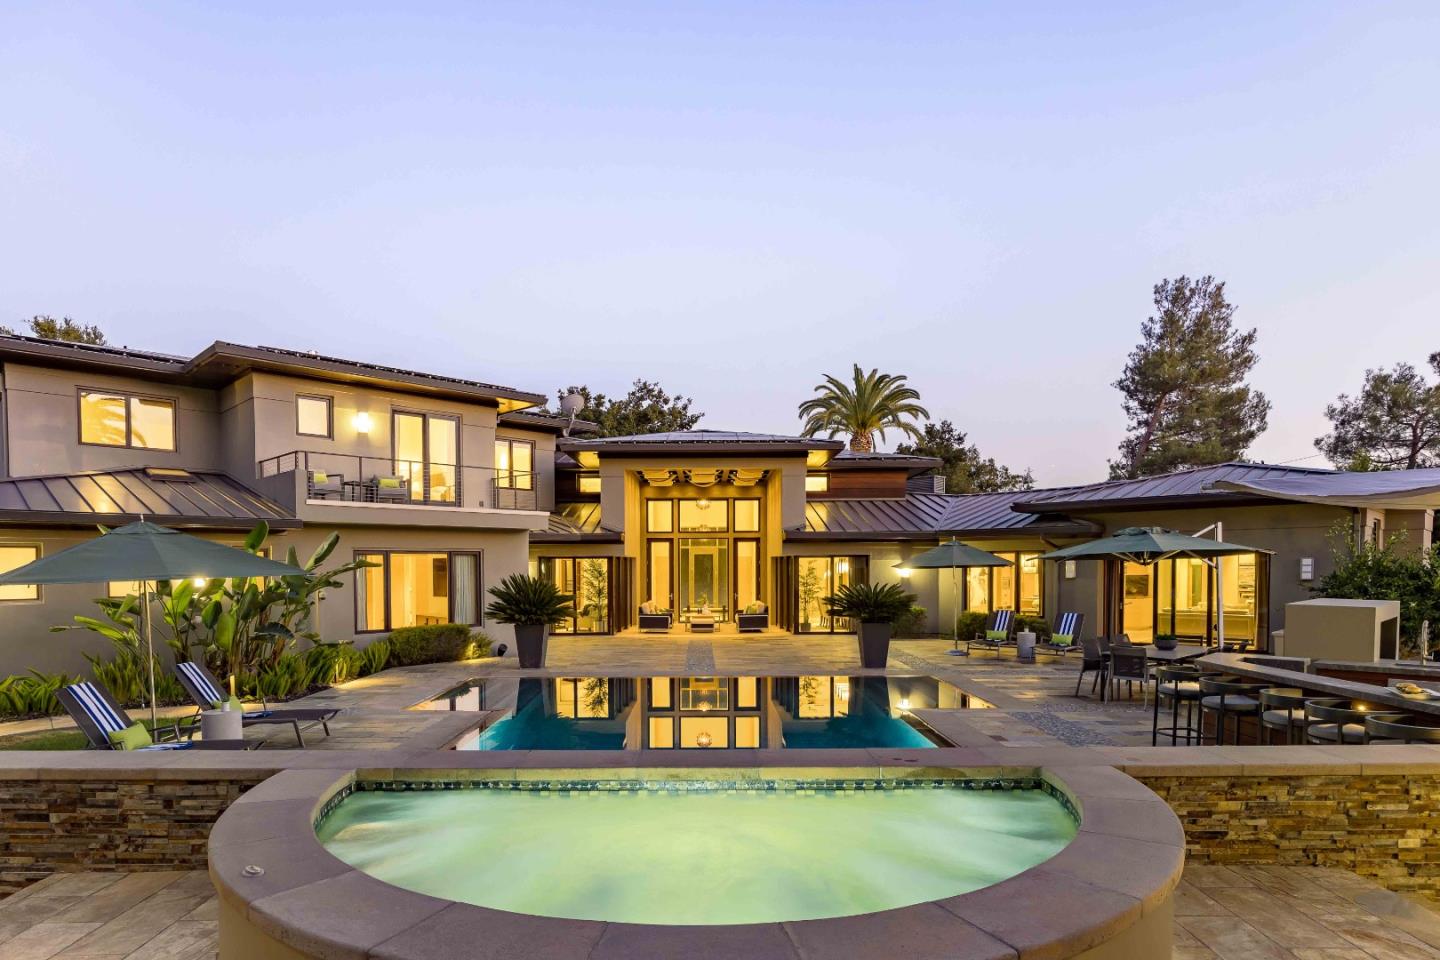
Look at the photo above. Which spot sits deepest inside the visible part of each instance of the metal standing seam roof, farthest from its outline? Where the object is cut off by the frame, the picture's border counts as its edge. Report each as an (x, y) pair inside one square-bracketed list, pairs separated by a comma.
[(1167, 489), (928, 515), (1395, 489), (206, 500), (736, 440)]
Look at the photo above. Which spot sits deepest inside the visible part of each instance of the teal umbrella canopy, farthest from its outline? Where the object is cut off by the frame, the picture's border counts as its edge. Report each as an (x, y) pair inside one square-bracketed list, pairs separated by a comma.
[(953, 553), (1146, 545), (144, 551)]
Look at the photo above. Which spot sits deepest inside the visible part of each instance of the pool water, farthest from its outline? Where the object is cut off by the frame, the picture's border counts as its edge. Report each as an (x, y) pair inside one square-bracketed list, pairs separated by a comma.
[(664, 713), (711, 856)]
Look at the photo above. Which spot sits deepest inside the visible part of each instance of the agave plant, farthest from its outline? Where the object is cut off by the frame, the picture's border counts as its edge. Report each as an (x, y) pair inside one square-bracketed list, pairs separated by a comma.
[(526, 601), (870, 602), (871, 403)]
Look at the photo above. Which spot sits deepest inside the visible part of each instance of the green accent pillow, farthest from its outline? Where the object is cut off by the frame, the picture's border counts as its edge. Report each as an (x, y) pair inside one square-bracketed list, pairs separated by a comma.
[(390, 483), (132, 737), (1061, 639), (996, 635), (756, 607), (234, 704), (319, 477)]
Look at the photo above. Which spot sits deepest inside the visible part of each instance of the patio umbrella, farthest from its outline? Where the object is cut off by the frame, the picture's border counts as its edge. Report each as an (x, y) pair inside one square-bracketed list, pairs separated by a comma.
[(146, 552), (1149, 545), (953, 554)]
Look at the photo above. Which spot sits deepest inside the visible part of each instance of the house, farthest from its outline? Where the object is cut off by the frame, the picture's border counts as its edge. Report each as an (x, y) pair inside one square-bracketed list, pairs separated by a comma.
[(448, 485)]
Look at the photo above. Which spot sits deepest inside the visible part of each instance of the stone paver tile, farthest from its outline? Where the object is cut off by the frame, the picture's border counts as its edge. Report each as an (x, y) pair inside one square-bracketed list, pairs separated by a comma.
[(1193, 901), (922, 932), (1410, 914), (1380, 938), (1207, 875), (1332, 953), (80, 884), (24, 914), (44, 940), (132, 929), (208, 910), (322, 910), (1233, 939), (192, 883), (1280, 921), (120, 896), (185, 940), (1193, 951)]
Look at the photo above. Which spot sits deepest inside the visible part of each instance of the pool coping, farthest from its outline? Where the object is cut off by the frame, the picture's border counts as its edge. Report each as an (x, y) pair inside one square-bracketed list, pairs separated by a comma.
[(1120, 870)]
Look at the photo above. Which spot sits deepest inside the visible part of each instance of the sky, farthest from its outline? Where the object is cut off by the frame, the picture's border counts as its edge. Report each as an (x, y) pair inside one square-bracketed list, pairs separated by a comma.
[(735, 199)]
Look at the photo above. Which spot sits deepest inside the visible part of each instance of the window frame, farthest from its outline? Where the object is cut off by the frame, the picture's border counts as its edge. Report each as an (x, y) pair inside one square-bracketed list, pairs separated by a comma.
[(38, 589), (127, 396), (478, 553), (329, 402), (821, 483), (510, 472)]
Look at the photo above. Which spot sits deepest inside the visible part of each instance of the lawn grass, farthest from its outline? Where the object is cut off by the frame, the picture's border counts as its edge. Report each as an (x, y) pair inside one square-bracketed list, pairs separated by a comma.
[(64, 738)]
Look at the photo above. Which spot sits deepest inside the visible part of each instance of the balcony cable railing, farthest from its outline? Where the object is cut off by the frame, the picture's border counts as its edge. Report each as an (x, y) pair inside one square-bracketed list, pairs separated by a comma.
[(353, 478)]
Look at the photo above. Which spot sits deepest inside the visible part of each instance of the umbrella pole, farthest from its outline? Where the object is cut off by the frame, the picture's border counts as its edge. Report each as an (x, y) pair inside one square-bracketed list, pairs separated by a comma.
[(150, 650)]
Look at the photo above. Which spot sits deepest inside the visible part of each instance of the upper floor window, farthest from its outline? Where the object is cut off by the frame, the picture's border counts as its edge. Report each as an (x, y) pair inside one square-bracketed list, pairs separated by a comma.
[(12, 557), (588, 483), (314, 416), (126, 420), (817, 483), (515, 464)]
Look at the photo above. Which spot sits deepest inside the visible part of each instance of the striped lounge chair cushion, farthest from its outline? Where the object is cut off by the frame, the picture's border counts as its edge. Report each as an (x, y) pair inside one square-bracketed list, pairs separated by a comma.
[(200, 680), (97, 709)]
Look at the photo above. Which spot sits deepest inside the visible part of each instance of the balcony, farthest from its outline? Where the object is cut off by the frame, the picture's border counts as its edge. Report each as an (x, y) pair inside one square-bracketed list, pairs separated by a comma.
[(348, 478)]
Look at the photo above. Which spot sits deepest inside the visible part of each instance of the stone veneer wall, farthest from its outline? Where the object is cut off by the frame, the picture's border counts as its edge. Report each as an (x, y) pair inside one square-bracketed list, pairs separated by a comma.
[(105, 824), (1385, 827)]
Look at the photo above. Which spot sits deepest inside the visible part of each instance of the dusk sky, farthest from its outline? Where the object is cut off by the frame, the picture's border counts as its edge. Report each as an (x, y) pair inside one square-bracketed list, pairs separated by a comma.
[(734, 199)]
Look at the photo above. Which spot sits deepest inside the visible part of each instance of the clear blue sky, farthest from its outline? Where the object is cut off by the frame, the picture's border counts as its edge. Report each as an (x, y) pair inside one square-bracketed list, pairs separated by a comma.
[(735, 198)]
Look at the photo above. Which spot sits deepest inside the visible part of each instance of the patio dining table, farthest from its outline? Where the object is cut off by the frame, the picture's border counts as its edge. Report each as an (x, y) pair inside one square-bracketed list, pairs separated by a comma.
[(1180, 654)]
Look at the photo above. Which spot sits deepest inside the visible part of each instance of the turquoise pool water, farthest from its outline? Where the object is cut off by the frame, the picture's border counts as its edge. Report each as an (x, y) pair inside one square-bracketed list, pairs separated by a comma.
[(716, 856)]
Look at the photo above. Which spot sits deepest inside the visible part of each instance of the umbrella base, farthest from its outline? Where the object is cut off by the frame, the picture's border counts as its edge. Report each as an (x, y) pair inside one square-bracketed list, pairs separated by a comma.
[(958, 653)]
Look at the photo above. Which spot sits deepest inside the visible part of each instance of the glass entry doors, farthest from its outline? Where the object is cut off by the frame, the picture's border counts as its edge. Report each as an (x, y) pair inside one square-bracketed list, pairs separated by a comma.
[(585, 581), (1176, 597), (427, 451), (704, 577), (818, 578)]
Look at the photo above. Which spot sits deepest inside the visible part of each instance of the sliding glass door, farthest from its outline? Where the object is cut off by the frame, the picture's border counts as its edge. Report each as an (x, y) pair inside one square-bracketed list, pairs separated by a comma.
[(585, 581), (427, 455)]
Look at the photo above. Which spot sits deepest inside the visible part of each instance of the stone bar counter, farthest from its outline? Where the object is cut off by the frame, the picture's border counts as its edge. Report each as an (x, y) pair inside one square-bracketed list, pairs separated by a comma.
[(1276, 671)]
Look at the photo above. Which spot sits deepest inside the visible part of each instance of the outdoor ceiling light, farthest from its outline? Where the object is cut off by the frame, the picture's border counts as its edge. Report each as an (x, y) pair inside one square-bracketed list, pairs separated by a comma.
[(199, 582), (362, 422), (702, 739)]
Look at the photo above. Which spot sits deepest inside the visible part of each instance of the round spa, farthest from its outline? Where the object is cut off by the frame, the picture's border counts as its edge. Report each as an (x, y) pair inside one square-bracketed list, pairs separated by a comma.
[(596, 866)]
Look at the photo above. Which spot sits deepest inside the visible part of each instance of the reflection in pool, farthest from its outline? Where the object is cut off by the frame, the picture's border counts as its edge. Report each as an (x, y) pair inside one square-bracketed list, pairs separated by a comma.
[(668, 713), (670, 853)]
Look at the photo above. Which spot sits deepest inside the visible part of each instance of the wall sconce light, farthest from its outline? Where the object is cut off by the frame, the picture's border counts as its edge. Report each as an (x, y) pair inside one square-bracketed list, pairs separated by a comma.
[(199, 583), (362, 422), (1307, 568), (905, 704), (1070, 569), (904, 572)]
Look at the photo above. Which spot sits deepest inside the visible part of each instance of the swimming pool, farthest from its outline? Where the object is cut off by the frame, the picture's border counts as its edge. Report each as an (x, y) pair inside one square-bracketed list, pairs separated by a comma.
[(668, 713), (672, 853)]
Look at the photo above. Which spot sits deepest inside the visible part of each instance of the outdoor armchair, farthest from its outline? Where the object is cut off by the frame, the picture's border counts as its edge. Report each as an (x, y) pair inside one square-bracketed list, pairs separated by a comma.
[(754, 619), (324, 485), (999, 632), (390, 489), (207, 694), (653, 618)]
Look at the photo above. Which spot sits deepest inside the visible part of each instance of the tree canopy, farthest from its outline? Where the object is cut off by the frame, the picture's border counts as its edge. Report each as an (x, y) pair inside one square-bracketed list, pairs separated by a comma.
[(647, 408), (44, 325), (965, 471), (871, 403), (1185, 392), (1393, 423), (1394, 570)]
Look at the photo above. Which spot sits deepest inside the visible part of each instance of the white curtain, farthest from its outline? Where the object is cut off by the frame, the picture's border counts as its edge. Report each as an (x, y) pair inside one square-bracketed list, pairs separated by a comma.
[(464, 577)]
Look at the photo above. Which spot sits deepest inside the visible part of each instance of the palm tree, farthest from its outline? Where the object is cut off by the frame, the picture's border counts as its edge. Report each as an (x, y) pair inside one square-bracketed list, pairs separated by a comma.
[(873, 403)]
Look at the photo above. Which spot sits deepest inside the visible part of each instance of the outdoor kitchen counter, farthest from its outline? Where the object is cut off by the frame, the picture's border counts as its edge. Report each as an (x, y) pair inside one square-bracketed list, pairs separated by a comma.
[(1240, 665)]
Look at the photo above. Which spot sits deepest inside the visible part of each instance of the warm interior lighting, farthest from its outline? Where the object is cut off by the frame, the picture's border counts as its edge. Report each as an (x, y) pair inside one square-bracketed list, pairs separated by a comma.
[(362, 422), (702, 739)]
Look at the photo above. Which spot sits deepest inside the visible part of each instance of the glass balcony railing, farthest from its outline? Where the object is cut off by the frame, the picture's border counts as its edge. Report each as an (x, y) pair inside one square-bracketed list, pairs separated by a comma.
[(398, 482)]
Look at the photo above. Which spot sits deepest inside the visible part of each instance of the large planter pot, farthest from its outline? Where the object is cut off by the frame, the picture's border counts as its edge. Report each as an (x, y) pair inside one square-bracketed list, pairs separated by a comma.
[(875, 644), (1166, 643), (530, 643)]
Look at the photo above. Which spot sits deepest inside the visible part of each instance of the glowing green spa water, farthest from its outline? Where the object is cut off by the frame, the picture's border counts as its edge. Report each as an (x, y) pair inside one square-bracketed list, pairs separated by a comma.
[(698, 857)]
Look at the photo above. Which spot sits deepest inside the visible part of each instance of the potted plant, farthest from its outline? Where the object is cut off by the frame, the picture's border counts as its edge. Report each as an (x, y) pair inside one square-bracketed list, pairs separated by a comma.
[(876, 606), (1166, 641), (809, 588), (532, 606)]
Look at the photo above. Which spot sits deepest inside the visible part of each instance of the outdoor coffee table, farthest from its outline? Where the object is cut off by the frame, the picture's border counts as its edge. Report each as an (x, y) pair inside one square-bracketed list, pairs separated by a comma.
[(702, 623)]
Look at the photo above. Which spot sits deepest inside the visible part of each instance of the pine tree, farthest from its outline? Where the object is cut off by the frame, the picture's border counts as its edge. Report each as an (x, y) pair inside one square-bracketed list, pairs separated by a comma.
[(1392, 424), (1185, 391)]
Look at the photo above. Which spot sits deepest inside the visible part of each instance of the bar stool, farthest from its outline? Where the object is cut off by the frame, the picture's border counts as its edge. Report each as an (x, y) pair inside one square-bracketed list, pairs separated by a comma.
[(1341, 721), (1381, 730), (1178, 685), (1226, 698), (1283, 708)]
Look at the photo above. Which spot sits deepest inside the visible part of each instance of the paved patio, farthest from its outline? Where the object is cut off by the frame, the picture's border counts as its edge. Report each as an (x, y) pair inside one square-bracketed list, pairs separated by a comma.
[(1228, 913)]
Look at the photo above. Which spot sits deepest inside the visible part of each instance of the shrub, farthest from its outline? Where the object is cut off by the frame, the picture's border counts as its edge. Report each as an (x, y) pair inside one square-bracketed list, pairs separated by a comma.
[(32, 695), (288, 676), (374, 657), (1037, 625), (972, 623), (434, 643), (870, 602), (128, 679), (911, 623)]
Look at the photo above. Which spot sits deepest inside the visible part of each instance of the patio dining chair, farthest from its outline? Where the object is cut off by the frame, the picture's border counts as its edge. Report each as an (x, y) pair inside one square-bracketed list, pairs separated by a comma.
[(207, 694), (105, 723), (999, 632), (1093, 661), (1130, 664)]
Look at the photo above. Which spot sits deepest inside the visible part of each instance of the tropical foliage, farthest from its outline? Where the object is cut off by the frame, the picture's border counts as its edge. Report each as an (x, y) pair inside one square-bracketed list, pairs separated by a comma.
[(1393, 571), (869, 404), (528, 601), (1393, 423), (964, 470), (32, 694), (1185, 390), (870, 602), (647, 408)]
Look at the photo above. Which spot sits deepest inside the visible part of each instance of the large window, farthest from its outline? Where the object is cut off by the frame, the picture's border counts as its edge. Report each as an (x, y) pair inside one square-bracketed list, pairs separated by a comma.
[(411, 589), (586, 582), (703, 516), (126, 420), (12, 557), (1019, 587), (314, 416), (515, 464)]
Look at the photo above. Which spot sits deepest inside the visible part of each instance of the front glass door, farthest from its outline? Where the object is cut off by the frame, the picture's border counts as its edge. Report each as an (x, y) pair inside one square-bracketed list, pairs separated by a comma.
[(704, 577), (818, 578), (747, 573), (585, 582), (426, 456), (1139, 603)]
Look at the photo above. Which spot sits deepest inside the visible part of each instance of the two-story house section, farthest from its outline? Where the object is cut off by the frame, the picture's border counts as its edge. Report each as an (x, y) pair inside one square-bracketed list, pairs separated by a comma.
[(436, 479)]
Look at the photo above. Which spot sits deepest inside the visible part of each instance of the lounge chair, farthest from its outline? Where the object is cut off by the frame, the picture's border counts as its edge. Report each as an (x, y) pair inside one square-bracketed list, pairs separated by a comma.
[(754, 619), (390, 489), (1064, 635), (999, 632), (326, 486), (97, 715), (653, 618), (206, 692)]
